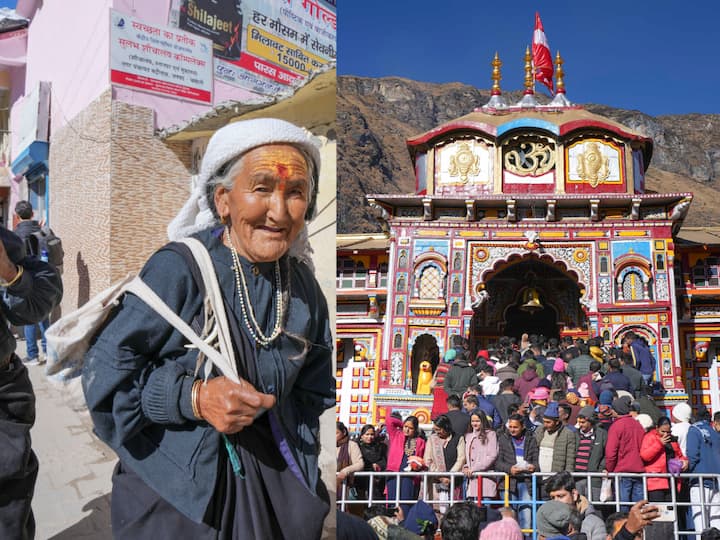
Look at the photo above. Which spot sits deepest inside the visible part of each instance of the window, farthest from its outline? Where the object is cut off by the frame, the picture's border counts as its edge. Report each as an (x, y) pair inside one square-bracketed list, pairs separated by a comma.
[(603, 265), (351, 274), (665, 332), (397, 341), (632, 286), (430, 282), (706, 273), (400, 308), (382, 275), (455, 309)]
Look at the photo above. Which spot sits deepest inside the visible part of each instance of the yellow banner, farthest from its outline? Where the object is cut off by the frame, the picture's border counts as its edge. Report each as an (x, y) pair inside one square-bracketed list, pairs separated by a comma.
[(277, 50)]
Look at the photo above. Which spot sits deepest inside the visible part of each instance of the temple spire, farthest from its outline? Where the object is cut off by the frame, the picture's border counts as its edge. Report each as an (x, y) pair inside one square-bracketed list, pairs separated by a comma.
[(496, 99), (559, 100), (528, 100)]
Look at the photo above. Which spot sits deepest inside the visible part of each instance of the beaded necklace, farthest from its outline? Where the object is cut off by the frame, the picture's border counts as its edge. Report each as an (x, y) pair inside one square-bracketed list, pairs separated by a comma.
[(248, 313)]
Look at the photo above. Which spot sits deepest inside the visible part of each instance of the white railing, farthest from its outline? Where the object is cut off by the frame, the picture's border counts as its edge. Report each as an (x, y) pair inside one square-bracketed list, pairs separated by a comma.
[(504, 499)]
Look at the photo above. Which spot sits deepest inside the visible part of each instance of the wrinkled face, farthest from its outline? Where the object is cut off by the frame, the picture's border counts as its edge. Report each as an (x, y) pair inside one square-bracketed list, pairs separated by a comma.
[(267, 204), (515, 428), (368, 436), (563, 495), (408, 429)]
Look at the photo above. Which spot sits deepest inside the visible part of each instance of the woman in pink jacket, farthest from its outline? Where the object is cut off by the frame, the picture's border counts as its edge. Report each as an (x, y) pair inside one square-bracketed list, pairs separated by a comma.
[(481, 450), (404, 442)]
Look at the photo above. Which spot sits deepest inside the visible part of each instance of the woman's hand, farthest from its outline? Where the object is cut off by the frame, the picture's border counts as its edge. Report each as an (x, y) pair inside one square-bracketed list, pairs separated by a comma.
[(230, 407)]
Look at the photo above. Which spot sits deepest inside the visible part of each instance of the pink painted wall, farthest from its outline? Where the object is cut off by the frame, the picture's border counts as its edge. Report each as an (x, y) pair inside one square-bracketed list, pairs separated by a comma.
[(68, 45)]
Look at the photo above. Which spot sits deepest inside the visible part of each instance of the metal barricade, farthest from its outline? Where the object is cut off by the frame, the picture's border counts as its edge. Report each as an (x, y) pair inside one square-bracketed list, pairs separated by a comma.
[(708, 512)]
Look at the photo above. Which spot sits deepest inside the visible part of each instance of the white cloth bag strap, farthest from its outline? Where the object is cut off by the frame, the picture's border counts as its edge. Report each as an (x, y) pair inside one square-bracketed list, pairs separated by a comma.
[(224, 359), (212, 291)]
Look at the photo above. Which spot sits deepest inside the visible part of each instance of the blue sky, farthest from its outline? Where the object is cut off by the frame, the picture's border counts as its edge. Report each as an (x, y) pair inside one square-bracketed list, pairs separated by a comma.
[(658, 57), (8, 3)]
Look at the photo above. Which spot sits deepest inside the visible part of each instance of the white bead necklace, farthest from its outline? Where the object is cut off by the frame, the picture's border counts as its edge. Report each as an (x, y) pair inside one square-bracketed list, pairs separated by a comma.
[(248, 313)]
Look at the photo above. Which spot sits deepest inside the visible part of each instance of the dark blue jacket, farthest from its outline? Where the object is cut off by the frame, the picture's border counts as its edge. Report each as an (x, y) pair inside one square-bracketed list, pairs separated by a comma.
[(489, 409), (138, 374), (703, 450), (644, 360)]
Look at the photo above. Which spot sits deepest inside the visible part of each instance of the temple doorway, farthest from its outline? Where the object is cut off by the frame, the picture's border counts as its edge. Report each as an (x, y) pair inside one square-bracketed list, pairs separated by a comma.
[(530, 294)]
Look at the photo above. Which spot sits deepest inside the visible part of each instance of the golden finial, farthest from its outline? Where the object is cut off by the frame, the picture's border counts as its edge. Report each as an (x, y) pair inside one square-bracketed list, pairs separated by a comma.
[(528, 72), (496, 64), (559, 73)]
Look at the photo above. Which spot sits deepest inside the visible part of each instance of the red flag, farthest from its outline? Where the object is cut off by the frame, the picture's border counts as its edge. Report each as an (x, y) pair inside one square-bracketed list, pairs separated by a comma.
[(541, 59)]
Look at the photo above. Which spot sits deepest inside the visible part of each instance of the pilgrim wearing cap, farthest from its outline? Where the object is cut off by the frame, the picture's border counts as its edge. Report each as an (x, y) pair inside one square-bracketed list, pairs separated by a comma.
[(211, 456), (557, 444), (590, 455)]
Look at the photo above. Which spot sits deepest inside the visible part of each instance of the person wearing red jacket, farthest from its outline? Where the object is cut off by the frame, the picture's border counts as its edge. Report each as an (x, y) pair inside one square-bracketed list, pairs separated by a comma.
[(657, 449), (659, 446), (622, 452)]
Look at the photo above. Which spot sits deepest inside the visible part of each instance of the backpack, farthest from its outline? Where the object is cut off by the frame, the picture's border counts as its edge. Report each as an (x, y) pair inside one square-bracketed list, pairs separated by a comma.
[(45, 240)]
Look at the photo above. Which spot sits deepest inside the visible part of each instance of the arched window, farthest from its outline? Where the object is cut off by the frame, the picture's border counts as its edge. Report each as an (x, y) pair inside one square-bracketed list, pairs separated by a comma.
[(455, 309), (430, 282), (632, 286), (400, 308), (456, 286), (397, 341), (665, 332), (603, 265)]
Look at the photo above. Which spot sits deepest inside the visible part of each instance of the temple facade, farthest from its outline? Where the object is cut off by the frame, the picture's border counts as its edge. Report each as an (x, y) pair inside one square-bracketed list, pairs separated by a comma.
[(525, 219)]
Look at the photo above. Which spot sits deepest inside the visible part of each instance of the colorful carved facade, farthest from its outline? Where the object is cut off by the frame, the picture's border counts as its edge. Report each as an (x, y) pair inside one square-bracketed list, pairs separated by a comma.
[(540, 206)]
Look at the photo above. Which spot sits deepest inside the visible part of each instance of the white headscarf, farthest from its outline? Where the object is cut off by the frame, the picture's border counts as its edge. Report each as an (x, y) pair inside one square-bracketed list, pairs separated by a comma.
[(228, 143)]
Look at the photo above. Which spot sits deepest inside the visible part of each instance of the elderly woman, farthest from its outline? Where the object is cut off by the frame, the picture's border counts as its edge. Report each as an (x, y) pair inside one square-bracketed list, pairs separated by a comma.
[(217, 459)]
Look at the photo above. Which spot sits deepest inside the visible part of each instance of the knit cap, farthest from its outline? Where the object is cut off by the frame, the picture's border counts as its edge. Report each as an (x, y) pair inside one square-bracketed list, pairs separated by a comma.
[(553, 518), (559, 365), (682, 412), (645, 420), (606, 398)]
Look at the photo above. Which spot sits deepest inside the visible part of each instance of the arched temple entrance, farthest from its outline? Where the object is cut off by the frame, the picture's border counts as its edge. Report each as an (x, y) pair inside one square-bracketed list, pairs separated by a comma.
[(424, 348), (527, 295)]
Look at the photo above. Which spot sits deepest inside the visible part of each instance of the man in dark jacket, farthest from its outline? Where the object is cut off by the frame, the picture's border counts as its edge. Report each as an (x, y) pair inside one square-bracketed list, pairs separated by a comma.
[(460, 377), (518, 456), (557, 444), (644, 360), (30, 290), (24, 229), (633, 375), (616, 377), (580, 365), (590, 455)]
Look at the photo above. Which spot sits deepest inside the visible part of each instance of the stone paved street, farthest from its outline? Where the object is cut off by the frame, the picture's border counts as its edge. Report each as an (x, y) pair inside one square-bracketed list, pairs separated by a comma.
[(72, 494)]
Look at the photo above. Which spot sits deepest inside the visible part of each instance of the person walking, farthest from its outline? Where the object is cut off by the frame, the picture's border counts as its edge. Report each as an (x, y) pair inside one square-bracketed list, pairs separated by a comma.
[(24, 229)]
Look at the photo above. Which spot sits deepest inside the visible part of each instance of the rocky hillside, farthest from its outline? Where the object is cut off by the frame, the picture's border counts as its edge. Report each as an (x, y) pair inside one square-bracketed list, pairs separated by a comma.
[(376, 116)]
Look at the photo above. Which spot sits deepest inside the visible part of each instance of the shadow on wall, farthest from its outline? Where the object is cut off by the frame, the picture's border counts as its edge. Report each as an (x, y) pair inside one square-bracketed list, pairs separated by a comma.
[(95, 526), (83, 280)]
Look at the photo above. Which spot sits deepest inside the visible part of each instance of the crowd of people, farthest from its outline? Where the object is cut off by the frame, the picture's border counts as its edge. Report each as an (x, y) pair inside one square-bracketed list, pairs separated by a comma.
[(553, 407)]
